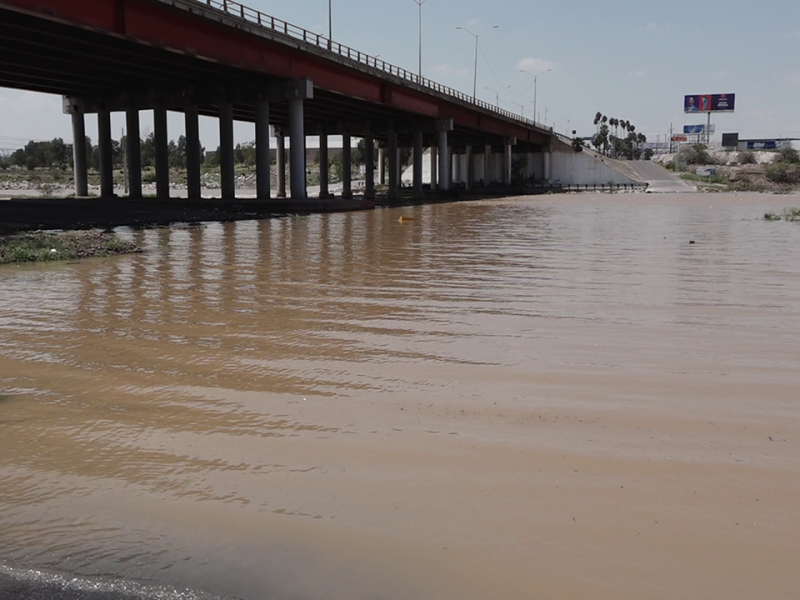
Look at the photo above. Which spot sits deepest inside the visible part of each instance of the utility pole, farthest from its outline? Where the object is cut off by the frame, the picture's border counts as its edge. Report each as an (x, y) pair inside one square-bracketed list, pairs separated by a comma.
[(420, 3), (475, 69)]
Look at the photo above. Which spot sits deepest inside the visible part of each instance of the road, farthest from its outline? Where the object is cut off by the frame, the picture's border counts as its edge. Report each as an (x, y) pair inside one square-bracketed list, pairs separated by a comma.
[(659, 178)]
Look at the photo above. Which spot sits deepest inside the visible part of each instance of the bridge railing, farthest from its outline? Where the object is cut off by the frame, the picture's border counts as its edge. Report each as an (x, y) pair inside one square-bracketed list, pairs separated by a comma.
[(256, 17)]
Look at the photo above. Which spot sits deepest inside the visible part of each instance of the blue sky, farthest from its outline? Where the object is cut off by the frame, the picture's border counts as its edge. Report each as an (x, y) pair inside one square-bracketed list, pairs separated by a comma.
[(630, 59)]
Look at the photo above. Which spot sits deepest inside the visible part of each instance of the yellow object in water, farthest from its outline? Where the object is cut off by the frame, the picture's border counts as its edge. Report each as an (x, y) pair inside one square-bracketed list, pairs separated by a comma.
[(404, 219)]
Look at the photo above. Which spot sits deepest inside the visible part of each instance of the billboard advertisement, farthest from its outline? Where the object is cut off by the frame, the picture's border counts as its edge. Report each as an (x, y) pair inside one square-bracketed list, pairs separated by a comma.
[(706, 103), (697, 129)]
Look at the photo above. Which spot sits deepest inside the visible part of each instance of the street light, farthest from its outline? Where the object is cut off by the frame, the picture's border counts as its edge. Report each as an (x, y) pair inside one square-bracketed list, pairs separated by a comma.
[(496, 96), (475, 70), (521, 106), (330, 21), (535, 79), (420, 3)]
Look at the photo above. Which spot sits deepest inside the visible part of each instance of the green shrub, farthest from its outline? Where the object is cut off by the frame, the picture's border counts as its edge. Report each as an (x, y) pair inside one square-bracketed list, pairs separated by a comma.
[(697, 155), (788, 155), (747, 157), (779, 172)]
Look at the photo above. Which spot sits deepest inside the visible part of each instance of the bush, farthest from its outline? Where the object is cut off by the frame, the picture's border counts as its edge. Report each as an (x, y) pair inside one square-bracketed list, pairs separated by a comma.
[(747, 157), (781, 172), (788, 155), (697, 155)]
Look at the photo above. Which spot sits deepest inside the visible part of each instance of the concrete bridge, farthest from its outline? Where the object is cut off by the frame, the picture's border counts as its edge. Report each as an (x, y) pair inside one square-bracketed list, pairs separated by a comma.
[(220, 58)]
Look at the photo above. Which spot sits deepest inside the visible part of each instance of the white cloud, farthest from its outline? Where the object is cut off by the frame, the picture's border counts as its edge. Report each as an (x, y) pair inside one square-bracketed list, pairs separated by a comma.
[(446, 69), (536, 65), (638, 74)]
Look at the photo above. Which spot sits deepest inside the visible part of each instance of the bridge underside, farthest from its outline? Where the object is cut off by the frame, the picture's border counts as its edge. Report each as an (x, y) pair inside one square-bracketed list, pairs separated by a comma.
[(131, 55)]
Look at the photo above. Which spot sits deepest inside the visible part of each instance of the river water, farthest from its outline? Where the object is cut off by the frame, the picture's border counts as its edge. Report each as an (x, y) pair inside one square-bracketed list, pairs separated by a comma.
[(555, 397)]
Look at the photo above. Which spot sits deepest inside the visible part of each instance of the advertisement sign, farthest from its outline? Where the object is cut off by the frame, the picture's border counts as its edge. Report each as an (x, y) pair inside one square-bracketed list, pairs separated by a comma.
[(697, 129), (762, 145), (706, 103), (679, 138)]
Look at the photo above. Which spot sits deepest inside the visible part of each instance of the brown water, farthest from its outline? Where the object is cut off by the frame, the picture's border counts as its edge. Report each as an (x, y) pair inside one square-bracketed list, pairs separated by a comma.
[(555, 397)]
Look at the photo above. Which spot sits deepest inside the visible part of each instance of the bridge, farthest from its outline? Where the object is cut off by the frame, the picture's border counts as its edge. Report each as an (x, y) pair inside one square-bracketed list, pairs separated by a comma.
[(222, 59)]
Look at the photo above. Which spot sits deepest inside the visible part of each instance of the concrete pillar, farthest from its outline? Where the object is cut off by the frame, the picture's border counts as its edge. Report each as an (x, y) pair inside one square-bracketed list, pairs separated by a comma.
[(347, 166), (434, 163), (488, 176), (297, 163), (391, 150), (106, 155), (369, 166), (263, 154), (80, 166), (469, 171), (227, 171), (444, 161), (280, 162), (323, 164), (548, 165), (192, 123), (133, 152), (455, 166), (162, 152), (418, 150), (381, 165), (507, 164)]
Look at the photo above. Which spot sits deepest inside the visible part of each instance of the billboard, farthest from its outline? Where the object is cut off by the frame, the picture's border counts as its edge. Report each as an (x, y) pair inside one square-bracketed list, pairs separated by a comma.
[(706, 103), (697, 129)]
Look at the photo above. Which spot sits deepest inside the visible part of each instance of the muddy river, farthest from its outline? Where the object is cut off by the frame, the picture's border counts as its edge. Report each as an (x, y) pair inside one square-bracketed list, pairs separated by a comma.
[(560, 397)]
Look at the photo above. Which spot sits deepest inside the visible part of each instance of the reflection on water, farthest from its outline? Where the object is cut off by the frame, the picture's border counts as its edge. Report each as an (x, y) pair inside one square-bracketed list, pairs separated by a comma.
[(546, 395)]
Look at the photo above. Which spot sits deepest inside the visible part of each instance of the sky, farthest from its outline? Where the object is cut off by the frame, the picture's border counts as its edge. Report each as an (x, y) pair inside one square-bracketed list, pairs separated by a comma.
[(630, 59)]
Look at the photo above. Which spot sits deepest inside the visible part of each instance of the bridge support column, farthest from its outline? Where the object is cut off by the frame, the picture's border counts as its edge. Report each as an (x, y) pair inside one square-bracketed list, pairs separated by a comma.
[(469, 170), (507, 164), (133, 152), (443, 126), (162, 152), (381, 165), (192, 123), (227, 170), (434, 163), (297, 162), (488, 176), (263, 155), (323, 164), (297, 92), (280, 162), (347, 166), (79, 154), (106, 156), (417, 169), (369, 166), (548, 165), (393, 170)]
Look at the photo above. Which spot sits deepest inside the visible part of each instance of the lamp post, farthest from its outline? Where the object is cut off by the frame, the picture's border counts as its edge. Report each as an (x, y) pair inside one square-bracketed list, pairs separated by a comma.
[(475, 70), (496, 96), (521, 106), (419, 4), (535, 81), (330, 21)]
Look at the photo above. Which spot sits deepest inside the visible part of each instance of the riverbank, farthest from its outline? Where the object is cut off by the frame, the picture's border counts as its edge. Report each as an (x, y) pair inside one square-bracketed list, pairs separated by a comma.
[(40, 246)]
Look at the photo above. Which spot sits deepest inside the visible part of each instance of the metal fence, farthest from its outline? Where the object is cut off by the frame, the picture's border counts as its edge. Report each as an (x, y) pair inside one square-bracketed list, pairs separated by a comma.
[(255, 17)]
